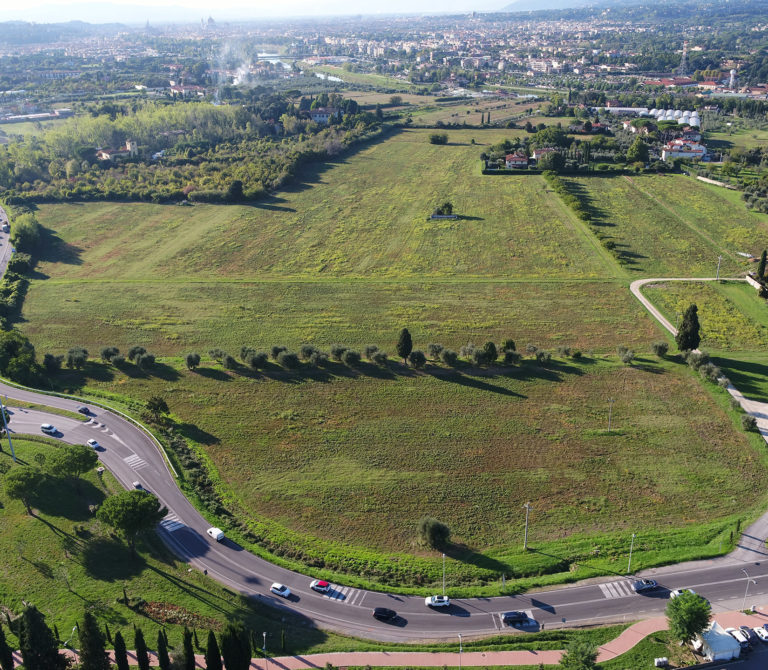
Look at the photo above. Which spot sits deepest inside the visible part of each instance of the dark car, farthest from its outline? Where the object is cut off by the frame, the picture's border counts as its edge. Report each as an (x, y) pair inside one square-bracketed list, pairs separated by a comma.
[(751, 635), (511, 618), (384, 614), (644, 585), (83, 410)]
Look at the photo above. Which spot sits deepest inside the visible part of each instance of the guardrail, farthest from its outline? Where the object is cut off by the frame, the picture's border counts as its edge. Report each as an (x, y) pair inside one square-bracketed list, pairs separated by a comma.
[(128, 418)]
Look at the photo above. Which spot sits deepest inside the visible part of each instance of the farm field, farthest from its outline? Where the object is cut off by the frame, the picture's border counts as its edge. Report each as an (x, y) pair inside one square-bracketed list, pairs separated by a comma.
[(743, 138), (470, 111), (363, 78), (28, 127), (673, 226), (329, 230)]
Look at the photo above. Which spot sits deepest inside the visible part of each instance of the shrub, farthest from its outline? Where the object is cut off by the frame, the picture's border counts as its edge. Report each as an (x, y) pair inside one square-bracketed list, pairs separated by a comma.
[(257, 360), (735, 404), (306, 351), (660, 348), (696, 359), (438, 138), (531, 349), (318, 359), (370, 350), (192, 360), (724, 382), (479, 357), (491, 353), (215, 354), (434, 351), (351, 358), (449, 357), (508, 345), (245, 353), (511, 358), (379, 358), (467, 350), (563, 351), (543, 357), (108, 353), (77, 357), (337, 351), (139, 350), (118, 361), (417, 359), (147, 361), (52, 363), (276, 351), (433, 533), (288, 360), (749, 423), (229, 362), (576, 353), (621, 350), (627, 357)]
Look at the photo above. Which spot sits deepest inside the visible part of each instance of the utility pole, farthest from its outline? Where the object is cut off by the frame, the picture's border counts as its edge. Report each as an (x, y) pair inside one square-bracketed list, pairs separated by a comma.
[(460, 650), (610, 413), (264, 650), (717, 276), (527, 511), (631, 547), (443, 573), (7, 433)]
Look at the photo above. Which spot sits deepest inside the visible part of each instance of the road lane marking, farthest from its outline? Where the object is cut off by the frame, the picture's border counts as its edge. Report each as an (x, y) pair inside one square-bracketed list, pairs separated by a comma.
[(172, 523), (136, 462)]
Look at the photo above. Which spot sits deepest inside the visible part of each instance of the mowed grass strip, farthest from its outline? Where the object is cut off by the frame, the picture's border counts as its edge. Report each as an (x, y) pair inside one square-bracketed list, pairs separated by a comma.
[(673, 226), (172, 318), (362, 216)]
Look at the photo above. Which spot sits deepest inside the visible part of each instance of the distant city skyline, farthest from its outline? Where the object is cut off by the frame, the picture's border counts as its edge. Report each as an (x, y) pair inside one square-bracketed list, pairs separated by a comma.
[(139, 11)]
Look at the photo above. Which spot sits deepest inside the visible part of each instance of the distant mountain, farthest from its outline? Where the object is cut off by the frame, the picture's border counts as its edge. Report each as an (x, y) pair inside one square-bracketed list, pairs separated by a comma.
[(546, 5), (100, 12)]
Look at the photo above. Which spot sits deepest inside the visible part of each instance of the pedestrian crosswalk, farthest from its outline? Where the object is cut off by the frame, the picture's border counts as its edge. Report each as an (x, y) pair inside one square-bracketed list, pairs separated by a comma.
[(136, 462), (171, 522), (618, 589), (345, 594)]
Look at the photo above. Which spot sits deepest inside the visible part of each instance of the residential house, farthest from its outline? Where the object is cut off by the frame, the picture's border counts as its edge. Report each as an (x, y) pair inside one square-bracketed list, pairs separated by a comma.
[(128, 151), (516, 160), (538, 153), (681, 148), (323, 114)]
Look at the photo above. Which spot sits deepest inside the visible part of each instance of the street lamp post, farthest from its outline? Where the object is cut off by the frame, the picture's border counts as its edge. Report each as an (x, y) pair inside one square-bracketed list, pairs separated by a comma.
[(717, 276), (631, 547), (443, 573), (264, 650), (459, 651), (525, 538), (5, 425), (746, 590)]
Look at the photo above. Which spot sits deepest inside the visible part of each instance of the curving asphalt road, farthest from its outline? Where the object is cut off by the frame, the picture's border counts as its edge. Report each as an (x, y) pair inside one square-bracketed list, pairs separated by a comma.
[(132, 455)]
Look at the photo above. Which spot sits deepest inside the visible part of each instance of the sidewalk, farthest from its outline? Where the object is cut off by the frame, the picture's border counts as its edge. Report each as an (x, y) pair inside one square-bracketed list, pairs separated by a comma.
[(626, 641)]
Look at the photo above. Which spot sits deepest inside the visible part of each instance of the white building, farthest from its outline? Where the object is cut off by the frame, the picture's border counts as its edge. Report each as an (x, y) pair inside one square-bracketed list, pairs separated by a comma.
[(717, 645), (681, 148)]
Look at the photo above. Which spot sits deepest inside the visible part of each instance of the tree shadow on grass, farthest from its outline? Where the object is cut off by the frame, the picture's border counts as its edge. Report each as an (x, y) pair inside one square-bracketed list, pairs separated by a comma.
[(52, 249), (213, 373), (464, 554), (109, 560), (196, 434), (745, 376), (61, 498), (456, 377)]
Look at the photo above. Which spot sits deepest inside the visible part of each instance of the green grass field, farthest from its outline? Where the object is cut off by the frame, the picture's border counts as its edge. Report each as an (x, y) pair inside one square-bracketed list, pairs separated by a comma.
[(365, 78), (349, 256), (674, 226)]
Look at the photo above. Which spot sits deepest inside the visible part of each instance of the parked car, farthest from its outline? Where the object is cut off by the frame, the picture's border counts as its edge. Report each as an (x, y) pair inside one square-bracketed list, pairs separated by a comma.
[(48, 428), (384, 614), (216, 533), (641, 585), (762, 634), (513, 617), (138, 486), (437, 601), (280, 590), (94, 444), (83, 410), (739, 637), (320, 585), (748, 633)]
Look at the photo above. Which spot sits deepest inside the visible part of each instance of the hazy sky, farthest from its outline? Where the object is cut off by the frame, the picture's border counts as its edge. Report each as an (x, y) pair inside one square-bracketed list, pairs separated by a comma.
[(44, 11)]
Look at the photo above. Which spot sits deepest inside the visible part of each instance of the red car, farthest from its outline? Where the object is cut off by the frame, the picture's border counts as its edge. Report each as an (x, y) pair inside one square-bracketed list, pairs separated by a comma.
[(320, 586)]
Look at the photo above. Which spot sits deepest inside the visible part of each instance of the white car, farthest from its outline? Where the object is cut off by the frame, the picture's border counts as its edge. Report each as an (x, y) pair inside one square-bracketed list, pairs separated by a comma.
[(138, 486), (320, 585), (437, 601), (761, 633), (48, 428), (679, 592), (280, 590), (216, 533), (93, 444), (740, 637)]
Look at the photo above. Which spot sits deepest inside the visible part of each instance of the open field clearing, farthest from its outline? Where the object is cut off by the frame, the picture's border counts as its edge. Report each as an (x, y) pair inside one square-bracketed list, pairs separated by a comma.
[(364, 78), (743, 138), (732, 316), (173, 317), (334, 467), (372, 98), (470, 111), (673, 226), (29, 127), (365, 216)]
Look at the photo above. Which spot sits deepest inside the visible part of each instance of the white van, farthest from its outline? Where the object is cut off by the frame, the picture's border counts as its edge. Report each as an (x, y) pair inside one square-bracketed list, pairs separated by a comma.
[(216, 533)]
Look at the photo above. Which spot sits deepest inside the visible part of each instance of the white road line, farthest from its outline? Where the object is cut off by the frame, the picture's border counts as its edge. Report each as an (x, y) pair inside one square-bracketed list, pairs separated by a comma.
[(136, 462), (606, 592), (353, 595)]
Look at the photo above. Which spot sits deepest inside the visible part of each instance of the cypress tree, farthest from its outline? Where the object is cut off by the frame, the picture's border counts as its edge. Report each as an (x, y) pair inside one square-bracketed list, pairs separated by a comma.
[(212, 653), (761, 265), (121, 655), (93, 654), (687, 337), (38, 648), (404, 344), (140, 645), (163, 660), (6, 653), (236, 647), (107, 634), (189, 652)]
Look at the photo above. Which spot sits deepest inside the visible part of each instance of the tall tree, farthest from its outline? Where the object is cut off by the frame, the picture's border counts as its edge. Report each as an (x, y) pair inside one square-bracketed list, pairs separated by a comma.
[(121, 654), (188, 662), (404, 344), (131, 513), (6, 653), (761, 265), (236, 647), (637, 152), (687, 337), (163, 660), (93, 653), (72, 460), (688, 615), (37, 644), (140, 646), (21, 483), (212, 653)]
